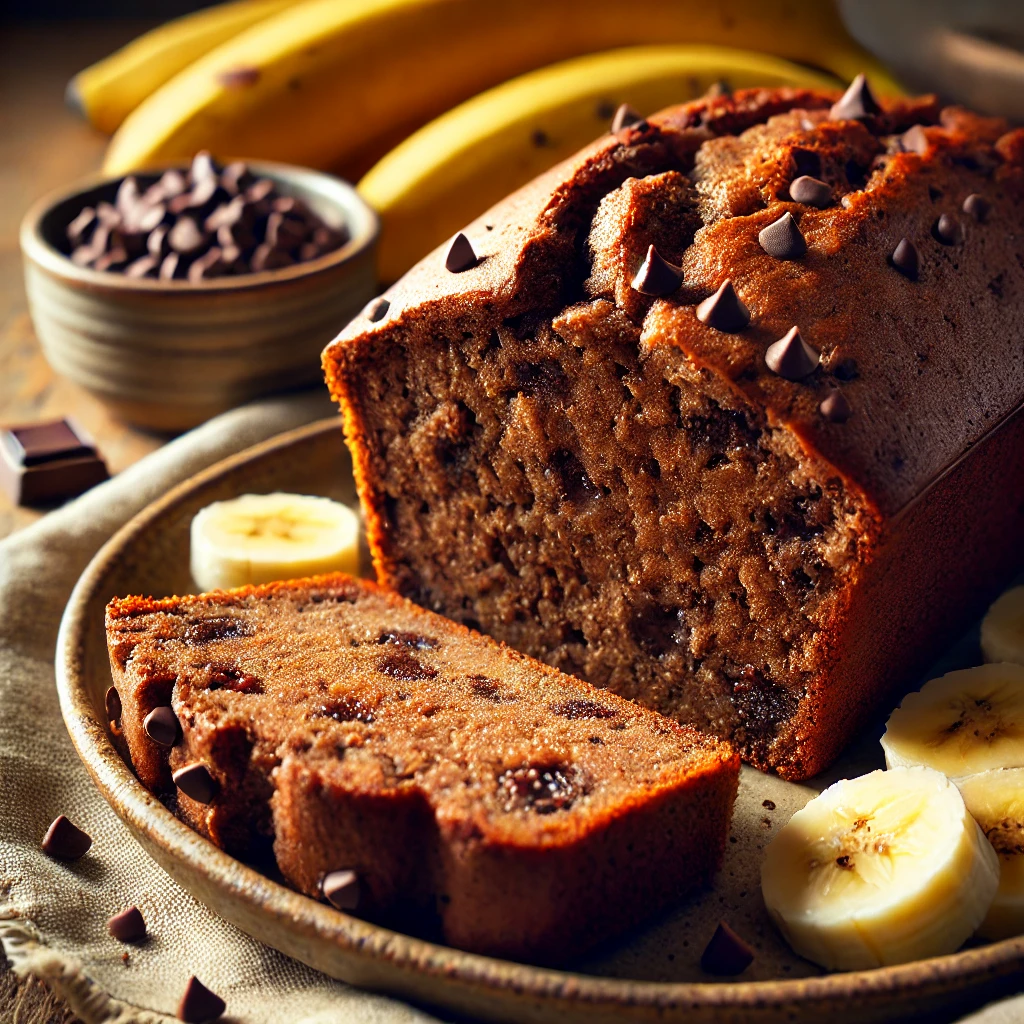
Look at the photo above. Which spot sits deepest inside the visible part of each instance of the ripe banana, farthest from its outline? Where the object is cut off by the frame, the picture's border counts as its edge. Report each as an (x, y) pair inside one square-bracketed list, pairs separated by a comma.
[(109, 90), (331, 84), (1002, 629), (455, 167), (258, 538), (963, 723), (880, 870)]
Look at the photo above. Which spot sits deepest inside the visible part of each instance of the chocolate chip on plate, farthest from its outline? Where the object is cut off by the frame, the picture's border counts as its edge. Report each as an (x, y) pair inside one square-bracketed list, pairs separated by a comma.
[(624, 117), (461, 255), (905, 259), (65, 841), (656, 276), (195, 781), (791, 357), (724, 311), (857, 103), (161, 726), (198, 1004), (782, 239), (341, 889), (726, 953), (128, 925), (811, 192), (835, 408), (977, 206)]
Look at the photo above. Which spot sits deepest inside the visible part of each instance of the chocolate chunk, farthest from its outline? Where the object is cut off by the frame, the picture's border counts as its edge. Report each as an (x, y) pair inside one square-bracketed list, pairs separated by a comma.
[(857, 103), (341, 889), (625, 116), (225, 215), (171, 267), (112, 259), (258, 191), (78, 230), (112, 704), (144, 266), (128, 196), (724, 311), (195, 780), (656, 276), (977, 206), (791, 357), (186, 237), (377, 309), (127, 926), (947, 230), (284, 232), (782, 239), (203, 166), (161, 726), (145, 218), (726, 953), (156, 243), (461, 255), (173, 183), (914, 140), (266, 257), (48, 462), (198, 1004), (811, 192), (236, 177), (238, 235), (835, 408), (905, 259), (65, 841), (210, 264)]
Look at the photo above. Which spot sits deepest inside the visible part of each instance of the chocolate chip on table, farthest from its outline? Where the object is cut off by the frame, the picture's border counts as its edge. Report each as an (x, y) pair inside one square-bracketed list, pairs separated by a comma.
[(915, 140), (656, 276), (624, 117), (377, 309), (112, 704), (726, 953), (835, 408), (977, 206), (341, 889), (128, 925), (791, 357), (905, 259), (782, 239), (195, 781), (947, 230), (161, 726), (857, 103), (461, 255), (724, 311), (198, 1004), (811, 192), (65, 841)]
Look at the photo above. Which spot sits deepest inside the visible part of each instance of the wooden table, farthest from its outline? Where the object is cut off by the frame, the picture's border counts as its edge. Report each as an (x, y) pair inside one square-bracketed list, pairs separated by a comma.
[(44, 146)]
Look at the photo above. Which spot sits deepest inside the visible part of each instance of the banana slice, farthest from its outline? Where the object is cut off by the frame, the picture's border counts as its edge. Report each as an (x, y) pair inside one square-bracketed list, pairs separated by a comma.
[(962, 723), (257, 538), (1002, 629), (880, 870), (996, 799)]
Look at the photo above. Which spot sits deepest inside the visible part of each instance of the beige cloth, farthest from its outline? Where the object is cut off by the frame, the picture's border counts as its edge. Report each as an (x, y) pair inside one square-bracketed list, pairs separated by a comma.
[(52, 915)]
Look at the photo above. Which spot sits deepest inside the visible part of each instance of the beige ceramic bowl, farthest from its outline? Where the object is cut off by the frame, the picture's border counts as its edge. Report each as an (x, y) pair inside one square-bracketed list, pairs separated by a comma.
[(169, 354)]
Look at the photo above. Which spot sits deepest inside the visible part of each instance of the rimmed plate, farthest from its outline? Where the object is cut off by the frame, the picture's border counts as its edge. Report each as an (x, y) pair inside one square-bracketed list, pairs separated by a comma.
[(653, 976)]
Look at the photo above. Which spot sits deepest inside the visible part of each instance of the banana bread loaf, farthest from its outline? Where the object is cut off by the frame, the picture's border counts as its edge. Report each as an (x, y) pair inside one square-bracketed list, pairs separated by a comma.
[(721, 414), (407, 768)]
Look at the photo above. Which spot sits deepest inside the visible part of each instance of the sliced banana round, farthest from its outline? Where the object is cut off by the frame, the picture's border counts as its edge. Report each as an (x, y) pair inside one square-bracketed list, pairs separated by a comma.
[(962, 723), (880, 870), (1002, 629), (258, 538), (996, 800)]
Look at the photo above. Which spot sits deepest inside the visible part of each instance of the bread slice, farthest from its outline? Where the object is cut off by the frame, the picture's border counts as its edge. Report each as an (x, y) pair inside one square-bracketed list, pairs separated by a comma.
[(519, 810)]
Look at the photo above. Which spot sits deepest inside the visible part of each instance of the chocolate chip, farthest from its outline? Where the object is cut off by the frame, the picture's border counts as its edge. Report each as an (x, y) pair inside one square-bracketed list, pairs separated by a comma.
[(905, 259), (341, 889), (65, 841), (791, 357), (284, 232), (225, 215), (204, 193), (144, 266), (947, 230), (914, 140), (210, 264), (835, 408), (112, 259), (461, 255), (171, 267), (656, 276), (768, 804), (811, 192), (236, 177), (977, 206), (239, 235), (173, 183), (186, 237), (156, 244), (145, 218), (195, 780), (726, 953), (203, 166), (127, 926), (198, 1004), (266, 257), (259, 190), (782, 239), (857, 103), (79, 228), (161, 726), (724, 311), (112, 704), (625, 116), (377, 309), (127, 194)]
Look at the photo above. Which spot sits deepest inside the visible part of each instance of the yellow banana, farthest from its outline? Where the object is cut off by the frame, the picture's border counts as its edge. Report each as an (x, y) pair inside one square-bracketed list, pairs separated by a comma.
[(109, 90), (331, 84), (458, 165)]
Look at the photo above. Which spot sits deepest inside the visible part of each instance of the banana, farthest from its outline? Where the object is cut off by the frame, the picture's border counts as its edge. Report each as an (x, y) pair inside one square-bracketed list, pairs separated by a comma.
[(996, 800), (455, 167), (109, 90), (258, 538), (335, 85), (1002, 629), (962, 723), (880, 870)]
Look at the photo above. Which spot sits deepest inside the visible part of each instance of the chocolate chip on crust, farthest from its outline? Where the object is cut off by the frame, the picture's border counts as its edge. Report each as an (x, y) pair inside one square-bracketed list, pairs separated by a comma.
[(341, 889), (656, 276), (905, 259), (977, 206), (461, 255), (625, 116), (857, 103), (811, 192), (161, 726), (377, 309), (947, 230), (724, 311), (835, 408), (195, 781), (791, 357), (782, 239)]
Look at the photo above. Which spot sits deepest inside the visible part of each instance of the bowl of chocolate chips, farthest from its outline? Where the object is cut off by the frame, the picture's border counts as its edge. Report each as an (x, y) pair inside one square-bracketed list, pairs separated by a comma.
[(179, 293)]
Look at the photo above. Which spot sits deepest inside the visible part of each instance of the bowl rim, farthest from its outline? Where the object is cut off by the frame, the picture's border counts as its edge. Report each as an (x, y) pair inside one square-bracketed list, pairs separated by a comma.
[(403, 955), (362, 221)]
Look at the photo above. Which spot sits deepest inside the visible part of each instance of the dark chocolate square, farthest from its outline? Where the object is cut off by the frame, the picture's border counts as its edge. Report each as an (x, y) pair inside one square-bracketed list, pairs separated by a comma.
[(48, 462)]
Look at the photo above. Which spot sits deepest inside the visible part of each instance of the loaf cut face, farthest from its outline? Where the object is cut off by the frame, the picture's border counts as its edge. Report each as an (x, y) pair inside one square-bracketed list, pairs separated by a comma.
[(475, 793), (608, 481)]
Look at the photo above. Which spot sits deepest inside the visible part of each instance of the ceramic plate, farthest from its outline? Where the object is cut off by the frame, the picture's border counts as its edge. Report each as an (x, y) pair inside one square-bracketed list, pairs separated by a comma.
[(652, 976)]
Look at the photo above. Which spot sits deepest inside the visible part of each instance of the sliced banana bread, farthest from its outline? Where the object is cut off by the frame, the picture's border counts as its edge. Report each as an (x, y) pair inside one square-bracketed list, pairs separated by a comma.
[(412, 769)]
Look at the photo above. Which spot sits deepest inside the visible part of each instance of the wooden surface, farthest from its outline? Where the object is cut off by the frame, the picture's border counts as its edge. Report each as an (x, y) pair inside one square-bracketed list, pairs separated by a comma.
[(44, 146)]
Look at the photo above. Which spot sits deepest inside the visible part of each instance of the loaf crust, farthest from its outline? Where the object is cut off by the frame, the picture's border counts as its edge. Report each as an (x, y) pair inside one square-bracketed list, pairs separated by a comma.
[(477, 794), (536, 443)]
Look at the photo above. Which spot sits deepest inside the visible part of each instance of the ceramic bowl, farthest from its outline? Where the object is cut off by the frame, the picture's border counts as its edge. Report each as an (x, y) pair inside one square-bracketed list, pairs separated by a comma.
[(168, 355)]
